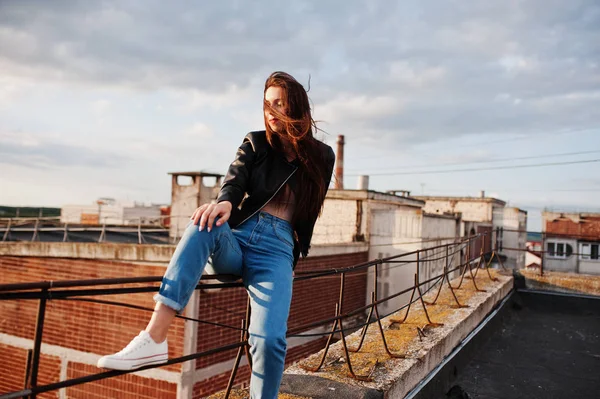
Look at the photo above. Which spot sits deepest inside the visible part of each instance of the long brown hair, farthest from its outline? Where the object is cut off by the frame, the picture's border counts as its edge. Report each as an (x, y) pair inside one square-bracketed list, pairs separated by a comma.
[(298, 130)]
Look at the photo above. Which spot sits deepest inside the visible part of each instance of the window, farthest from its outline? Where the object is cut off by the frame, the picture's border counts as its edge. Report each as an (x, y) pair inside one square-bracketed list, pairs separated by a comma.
[(551, 248), (588, 251), (558, 250)]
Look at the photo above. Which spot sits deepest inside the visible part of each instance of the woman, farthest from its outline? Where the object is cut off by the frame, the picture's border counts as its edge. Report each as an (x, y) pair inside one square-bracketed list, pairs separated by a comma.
[(263, 220)]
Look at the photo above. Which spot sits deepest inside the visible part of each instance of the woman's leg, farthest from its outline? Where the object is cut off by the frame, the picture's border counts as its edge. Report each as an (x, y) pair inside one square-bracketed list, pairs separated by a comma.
[(186, 268), (180, 280), (268, 278)]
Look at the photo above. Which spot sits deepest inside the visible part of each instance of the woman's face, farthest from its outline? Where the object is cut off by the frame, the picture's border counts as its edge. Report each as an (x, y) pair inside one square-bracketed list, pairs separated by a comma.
[(274, 98)]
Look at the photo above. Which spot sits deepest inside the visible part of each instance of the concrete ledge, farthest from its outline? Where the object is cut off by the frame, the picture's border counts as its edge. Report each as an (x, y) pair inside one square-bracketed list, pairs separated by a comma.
[(316, 387), (338, 249), (89, 250), (393, 377), (573, 283)]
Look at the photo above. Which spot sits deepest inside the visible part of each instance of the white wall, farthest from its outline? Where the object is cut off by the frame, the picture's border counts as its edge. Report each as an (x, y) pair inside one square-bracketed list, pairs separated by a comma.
[(337, 223), (568, 264), (474, 211), (394, 232), (72, 213), (531, 259), (143, 214), (399, 230), (437, 231), (589, 266), (514, 219)]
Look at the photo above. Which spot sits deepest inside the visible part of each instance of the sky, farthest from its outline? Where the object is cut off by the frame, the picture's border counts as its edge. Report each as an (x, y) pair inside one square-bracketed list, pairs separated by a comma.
[(105, 98)]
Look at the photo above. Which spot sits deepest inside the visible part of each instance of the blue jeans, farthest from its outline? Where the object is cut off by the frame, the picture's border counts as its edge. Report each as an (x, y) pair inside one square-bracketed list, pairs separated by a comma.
[(261, 252)]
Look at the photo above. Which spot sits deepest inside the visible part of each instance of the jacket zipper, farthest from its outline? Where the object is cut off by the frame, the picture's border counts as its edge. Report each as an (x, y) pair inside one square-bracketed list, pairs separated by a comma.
[(273, 196)]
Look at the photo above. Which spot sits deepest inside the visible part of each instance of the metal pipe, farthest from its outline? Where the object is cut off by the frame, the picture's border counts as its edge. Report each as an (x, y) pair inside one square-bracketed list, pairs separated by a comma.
[(339, 167)]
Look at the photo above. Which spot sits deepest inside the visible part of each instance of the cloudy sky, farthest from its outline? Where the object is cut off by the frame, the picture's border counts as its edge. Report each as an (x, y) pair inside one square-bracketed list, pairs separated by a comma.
[(104, 98)]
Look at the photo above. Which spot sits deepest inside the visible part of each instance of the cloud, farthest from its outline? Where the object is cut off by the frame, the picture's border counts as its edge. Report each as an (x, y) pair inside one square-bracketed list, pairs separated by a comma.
[(35, 151), (395, 74), (101, 107), (199, 131)]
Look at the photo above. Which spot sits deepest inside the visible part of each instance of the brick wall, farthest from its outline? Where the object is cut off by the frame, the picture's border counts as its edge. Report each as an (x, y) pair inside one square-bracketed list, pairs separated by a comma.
[(12, 370), (81, 326), (312, 300), (588, 229), (124, 386), (102, 329)]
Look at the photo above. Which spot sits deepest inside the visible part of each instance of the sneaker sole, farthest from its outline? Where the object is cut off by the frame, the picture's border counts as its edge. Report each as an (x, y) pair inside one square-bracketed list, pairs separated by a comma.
[(125, 365)]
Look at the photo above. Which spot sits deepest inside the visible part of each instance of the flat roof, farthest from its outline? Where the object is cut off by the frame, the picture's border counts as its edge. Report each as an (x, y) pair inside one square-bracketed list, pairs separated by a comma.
[(572, 215), (470, 199), (546, 347), (201, 173), (374, 195)]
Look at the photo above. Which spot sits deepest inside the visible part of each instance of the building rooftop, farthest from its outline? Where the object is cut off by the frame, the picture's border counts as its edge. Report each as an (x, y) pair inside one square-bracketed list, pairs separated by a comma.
[(546, 347), (374, 195), (201, 173), (471, 199), (52, 231)]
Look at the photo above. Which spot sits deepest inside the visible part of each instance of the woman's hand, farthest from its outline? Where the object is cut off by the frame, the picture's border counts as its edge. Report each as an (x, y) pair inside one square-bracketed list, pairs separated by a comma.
[(205, 215)]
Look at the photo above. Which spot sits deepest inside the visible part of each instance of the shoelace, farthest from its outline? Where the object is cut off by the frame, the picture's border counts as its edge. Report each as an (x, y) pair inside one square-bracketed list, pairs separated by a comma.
[(135, 343)]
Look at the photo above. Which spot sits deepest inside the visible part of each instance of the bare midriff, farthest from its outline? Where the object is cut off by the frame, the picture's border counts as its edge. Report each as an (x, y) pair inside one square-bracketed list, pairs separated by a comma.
[(282, 205)]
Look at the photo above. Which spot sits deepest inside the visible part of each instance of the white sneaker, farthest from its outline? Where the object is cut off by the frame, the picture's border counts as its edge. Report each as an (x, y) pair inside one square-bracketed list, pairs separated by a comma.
[(141, 351)]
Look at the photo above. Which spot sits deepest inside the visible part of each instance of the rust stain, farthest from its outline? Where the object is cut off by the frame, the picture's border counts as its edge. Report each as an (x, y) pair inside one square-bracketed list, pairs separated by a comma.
[(401, 338), (244, 394)]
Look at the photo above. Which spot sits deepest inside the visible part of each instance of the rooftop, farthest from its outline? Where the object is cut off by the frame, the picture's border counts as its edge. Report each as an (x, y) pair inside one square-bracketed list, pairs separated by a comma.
[(470, 199), (196, 173), (546, 346), (374, 195)]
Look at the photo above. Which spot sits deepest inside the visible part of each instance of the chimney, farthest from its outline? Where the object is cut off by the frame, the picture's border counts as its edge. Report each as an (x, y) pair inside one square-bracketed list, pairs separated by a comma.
[(482, 194), (363, 182), (339, 162)]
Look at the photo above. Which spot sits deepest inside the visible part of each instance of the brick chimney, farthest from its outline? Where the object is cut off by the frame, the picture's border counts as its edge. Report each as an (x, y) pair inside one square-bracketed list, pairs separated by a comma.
[(339, 164)]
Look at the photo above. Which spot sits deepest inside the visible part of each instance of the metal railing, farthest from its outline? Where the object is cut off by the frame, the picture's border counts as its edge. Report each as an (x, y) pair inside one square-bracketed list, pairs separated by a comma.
[(79, 290)]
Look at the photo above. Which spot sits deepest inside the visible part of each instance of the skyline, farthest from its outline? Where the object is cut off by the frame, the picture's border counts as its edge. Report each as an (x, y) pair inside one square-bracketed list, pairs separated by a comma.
[(103, 100)]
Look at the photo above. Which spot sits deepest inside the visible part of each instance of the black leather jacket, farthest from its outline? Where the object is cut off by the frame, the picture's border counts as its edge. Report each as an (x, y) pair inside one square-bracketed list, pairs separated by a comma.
[(260, 172)]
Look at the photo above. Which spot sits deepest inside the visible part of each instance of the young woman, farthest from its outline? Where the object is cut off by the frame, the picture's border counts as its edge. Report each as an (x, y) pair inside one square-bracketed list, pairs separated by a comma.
[(263, 220)]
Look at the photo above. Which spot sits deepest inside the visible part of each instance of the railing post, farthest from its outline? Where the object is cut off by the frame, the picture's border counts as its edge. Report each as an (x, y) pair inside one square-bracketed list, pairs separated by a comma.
[(468, 260), (102, 233), (418, 265), (27, 369), (66, 234), (7, 232), (35, 230), (37, 343), (543, 253), (447, 257)]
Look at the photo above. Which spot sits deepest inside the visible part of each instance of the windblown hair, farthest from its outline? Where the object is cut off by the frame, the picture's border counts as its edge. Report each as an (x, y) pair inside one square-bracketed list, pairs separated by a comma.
[(298, 130)]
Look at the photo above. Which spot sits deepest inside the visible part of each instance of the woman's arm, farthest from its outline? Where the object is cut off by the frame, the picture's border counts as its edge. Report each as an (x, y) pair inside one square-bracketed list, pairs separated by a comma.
[(232, 190), (236, 181)]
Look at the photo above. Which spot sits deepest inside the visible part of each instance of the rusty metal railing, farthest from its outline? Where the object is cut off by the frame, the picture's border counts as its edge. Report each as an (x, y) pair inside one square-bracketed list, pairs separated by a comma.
[(79, 290)]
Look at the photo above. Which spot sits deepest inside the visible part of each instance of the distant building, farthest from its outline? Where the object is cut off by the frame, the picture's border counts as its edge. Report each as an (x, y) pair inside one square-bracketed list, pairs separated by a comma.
[(533, 256), (504, 226), (480, 215), (514, 237), (73, 351), (571, 242), (112, 212), (390, 225), (189, 190)]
